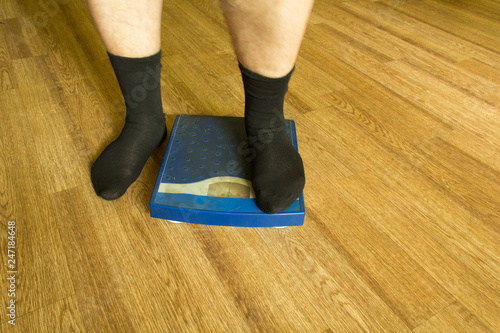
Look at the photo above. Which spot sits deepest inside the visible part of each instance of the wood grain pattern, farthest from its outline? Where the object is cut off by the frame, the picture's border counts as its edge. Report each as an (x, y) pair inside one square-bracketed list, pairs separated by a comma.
[(398, 114)]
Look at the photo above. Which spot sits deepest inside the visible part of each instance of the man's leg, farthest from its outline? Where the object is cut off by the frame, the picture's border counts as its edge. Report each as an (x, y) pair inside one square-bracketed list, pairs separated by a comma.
[(267, 36), (130, 30)]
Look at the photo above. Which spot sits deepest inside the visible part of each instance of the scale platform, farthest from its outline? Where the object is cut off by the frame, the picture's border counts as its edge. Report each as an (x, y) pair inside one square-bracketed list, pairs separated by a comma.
[(205, 176)]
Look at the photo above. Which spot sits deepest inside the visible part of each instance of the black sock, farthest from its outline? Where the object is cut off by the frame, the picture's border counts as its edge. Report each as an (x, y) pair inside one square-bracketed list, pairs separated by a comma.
[(277, 169), (121, 163)]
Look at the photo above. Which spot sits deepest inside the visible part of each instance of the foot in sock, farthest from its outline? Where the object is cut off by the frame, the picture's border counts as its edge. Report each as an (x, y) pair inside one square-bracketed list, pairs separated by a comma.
[(121, 163), (277, 169)]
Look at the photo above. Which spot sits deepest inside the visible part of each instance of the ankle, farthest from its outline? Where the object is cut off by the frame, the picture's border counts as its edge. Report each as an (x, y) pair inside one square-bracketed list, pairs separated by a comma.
[(264, 99)]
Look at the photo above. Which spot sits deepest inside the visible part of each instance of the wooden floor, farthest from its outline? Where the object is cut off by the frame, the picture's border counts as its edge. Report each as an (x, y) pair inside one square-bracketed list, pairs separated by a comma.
[(397, 105)]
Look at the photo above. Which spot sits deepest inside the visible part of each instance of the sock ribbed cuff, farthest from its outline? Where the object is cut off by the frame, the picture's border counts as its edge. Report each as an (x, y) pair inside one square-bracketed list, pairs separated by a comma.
[(264, 99), (133, 64), (264, 87), (258, 76)]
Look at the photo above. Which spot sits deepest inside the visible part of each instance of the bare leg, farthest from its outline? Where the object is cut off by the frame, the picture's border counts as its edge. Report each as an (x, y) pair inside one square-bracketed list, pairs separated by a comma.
[(267, 33), (130, 30)]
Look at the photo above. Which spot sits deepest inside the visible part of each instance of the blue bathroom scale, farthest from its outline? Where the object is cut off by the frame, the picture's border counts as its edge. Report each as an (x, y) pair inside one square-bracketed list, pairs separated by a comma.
[(205, 176)]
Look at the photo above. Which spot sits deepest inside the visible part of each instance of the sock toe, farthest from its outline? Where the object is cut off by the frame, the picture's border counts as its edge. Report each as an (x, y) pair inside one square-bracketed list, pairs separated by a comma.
[(103, 187), (110, 194), (272, 203)]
